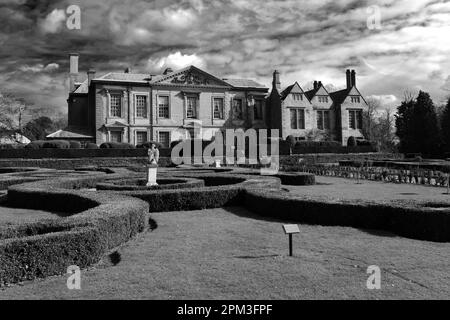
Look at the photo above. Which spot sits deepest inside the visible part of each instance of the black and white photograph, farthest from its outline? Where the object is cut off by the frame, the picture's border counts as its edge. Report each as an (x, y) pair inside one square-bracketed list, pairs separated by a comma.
[(224, 155)]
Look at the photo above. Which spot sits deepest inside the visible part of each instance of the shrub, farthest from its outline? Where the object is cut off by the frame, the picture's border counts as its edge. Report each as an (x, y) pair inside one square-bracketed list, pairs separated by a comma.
[(406, 220), (38, 144), (75, 144), (148, 144), (91, 145), (116, 145), (297, 179), (140, 184), (44, 248), (56, 144), (351, 142), (291, 141)]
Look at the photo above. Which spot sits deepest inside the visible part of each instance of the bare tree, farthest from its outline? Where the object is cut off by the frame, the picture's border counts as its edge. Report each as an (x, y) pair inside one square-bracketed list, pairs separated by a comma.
[(374, 105)]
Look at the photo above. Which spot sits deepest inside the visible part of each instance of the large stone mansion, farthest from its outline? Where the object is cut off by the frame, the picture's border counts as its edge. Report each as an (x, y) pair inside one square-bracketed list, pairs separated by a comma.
[(135, 108)]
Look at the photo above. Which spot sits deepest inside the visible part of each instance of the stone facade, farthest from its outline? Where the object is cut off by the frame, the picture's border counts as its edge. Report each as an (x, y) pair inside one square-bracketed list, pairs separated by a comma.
[(317, 114), (135, 108)]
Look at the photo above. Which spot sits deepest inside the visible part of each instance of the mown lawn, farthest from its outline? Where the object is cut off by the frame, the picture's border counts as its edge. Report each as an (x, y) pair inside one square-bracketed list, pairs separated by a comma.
[(231, 254), (350, 189)]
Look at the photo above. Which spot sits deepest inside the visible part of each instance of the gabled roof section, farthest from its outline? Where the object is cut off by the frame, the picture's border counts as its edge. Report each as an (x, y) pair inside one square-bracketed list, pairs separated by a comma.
[(312, 93), (339, 97), (190, 76), (292, 88)]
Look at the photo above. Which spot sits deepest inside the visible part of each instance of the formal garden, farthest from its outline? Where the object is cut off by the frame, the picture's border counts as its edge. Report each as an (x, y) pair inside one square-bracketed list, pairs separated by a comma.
[(206, 232)]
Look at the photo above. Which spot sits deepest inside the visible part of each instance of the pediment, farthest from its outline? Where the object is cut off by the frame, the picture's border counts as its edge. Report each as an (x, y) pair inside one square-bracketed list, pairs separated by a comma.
[(191, 76)]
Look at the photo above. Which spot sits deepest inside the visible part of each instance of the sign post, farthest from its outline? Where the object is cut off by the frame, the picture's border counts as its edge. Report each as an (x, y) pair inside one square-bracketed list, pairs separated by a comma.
[(291, 229)]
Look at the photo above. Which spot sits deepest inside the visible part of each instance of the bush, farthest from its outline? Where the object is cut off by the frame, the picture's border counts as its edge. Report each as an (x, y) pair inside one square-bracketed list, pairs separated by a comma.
[(140, 184), (351, 142), (297, 179), (75, 144), (56, 144), (91, 145), (148, 144), (291, 141), (406, 220), (116, 145), (363, 142), (12, 146), (45, 248), (38, 144)]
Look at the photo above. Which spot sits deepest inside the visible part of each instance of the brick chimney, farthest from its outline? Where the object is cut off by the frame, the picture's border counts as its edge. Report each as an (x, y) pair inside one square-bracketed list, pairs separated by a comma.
[(73, 72), (91, 75), (127, 70), (349, 79), (353, 78), (315, 85), (276, 84)]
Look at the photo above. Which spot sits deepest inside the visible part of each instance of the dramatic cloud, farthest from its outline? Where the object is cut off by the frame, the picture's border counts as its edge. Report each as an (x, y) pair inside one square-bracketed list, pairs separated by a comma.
[(407, 50), (53, 22), (175, 61)]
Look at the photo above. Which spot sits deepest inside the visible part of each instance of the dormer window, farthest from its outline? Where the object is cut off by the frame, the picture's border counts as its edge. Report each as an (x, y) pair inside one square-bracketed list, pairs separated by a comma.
[(323, 99)]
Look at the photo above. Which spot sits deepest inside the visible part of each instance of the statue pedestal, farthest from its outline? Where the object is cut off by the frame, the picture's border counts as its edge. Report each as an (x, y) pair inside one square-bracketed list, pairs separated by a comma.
[(151, 175)]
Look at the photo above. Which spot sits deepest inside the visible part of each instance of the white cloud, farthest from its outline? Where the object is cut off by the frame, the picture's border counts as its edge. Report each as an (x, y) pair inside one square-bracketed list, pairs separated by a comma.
[(53, 22), (175, 61), (40, 68)]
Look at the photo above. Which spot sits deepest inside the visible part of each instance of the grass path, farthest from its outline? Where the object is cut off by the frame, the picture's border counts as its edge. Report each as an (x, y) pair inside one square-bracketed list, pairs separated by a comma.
[(230, 254)]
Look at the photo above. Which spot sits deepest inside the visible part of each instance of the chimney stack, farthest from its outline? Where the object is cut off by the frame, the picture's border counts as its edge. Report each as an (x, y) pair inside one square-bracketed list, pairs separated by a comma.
[(276, 80), (319, 84), (91, 75), (349, 79), (73, 72), (315, 85), (353, 78), (128, 70)]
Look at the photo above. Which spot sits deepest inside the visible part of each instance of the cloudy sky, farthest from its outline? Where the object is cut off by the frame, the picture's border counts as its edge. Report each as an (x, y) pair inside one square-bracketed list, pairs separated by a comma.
[(395, 45)]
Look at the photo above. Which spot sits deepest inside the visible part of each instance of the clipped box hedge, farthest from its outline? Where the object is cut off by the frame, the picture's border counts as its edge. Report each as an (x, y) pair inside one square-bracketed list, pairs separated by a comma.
[(98, 222), (52, 153), (219, 191), (405, 219), (140, 184)]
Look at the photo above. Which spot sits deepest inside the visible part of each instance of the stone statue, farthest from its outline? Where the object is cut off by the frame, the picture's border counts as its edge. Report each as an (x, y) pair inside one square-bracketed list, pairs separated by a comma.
[(153, 158), (153, 155)]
